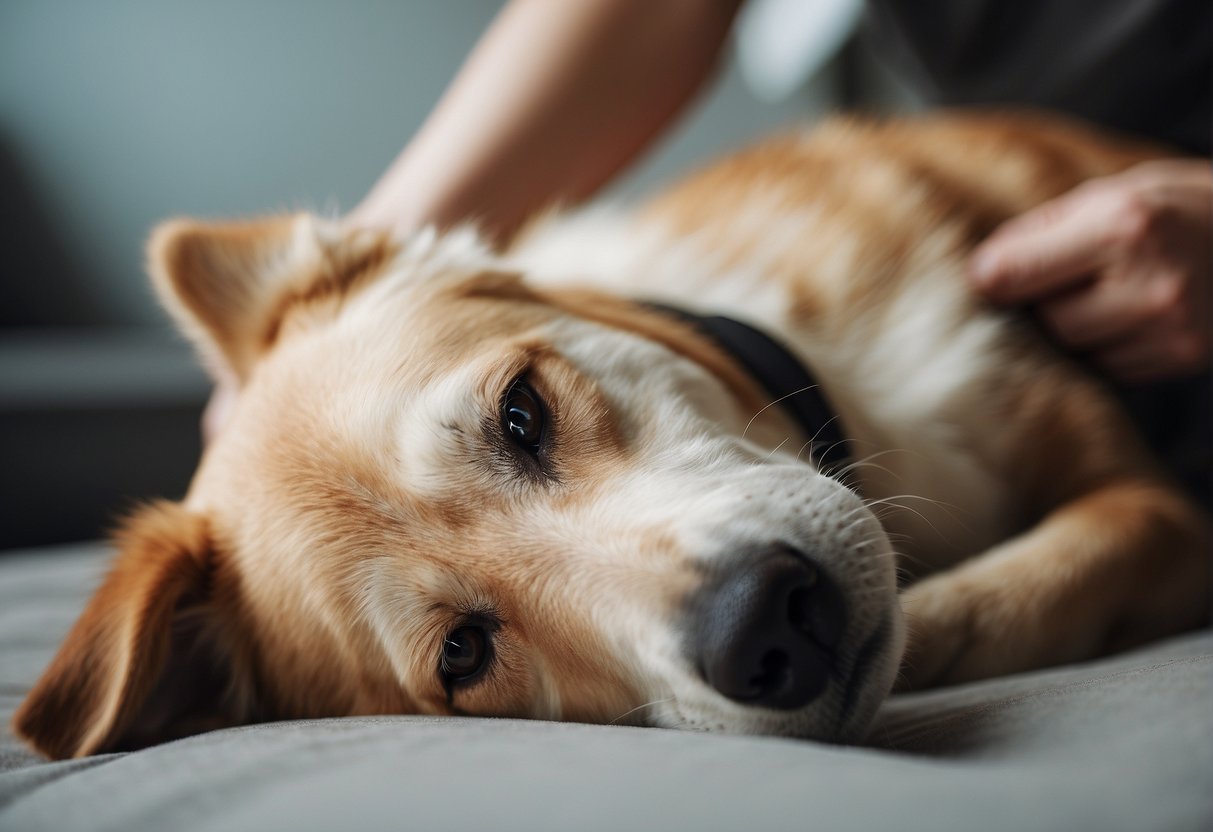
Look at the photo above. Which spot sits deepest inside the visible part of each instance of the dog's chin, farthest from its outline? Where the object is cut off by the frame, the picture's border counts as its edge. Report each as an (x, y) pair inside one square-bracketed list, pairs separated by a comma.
[(843, 715), (869, 679), (863, 700)]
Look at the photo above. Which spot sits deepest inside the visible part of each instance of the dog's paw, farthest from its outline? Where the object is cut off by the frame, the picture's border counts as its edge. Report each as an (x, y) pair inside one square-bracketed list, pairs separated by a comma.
[(939, 626), (980, 621)]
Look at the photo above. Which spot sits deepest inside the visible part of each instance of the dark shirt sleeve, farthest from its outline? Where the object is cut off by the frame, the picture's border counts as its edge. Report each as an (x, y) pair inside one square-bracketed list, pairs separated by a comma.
[(1140, 67)]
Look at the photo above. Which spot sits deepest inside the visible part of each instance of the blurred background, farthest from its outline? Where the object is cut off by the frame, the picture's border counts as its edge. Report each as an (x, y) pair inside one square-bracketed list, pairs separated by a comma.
[(116, 114)]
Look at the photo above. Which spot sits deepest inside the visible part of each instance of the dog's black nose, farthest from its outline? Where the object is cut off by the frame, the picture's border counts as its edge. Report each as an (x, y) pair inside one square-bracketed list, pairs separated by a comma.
[(767, 630)]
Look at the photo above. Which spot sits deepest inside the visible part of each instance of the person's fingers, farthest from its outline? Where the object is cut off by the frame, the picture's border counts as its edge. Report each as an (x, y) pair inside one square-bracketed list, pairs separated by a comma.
[(1103, 310), (1154, 355), (1048, 249), (1118, 268)]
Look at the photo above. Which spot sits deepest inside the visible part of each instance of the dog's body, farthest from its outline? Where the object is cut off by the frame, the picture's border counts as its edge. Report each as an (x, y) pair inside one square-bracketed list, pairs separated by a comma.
[(446, 489)]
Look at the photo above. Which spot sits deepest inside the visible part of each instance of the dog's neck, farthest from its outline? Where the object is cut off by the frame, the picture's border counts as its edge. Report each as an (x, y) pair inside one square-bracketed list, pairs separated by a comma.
[(789, 382)]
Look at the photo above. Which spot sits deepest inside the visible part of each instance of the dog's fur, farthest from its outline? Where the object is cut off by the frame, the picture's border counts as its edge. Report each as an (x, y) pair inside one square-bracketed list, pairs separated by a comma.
[(362, 499)]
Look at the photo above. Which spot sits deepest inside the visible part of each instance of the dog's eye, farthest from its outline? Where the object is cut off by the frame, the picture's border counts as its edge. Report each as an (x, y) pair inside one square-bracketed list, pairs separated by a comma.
[(464, 652), (522, 416)]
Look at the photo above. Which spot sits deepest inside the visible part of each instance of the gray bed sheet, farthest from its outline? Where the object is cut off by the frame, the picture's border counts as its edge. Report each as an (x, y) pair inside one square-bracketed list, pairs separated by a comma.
[(1124, 743)]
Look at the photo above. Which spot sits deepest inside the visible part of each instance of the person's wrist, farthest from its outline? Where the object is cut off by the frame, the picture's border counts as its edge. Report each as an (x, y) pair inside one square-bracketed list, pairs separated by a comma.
[(377, 213)]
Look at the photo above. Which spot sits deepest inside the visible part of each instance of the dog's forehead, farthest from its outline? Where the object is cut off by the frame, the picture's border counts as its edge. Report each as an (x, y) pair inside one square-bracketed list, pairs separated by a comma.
[(329, 397), (371, 412), (372, 429)]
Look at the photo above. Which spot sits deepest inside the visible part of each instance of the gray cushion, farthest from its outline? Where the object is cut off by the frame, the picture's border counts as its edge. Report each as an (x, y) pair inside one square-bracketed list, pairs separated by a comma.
[(1122, 743)]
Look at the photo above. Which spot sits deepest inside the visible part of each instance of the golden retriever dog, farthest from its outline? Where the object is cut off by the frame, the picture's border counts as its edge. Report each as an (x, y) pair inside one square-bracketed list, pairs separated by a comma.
[(460, 481)]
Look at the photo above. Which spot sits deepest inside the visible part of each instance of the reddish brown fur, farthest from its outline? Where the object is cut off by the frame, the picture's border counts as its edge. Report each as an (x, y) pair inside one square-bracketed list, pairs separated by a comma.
[(111, 659), (980, 170)]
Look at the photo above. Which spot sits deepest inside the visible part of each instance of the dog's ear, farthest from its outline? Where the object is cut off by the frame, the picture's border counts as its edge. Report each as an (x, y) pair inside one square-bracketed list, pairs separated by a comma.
[(224, 282), (230, 285), (143, 663)]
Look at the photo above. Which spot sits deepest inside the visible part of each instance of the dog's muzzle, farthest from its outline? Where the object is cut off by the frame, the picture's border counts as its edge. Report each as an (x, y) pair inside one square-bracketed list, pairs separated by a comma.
[(765, 632)]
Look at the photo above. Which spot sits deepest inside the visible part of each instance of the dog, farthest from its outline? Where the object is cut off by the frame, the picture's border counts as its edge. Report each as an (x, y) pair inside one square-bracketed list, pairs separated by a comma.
[(534, 483)]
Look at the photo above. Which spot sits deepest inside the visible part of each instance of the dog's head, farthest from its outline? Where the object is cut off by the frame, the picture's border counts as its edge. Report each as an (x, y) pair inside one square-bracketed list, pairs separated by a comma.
[(444, 491)]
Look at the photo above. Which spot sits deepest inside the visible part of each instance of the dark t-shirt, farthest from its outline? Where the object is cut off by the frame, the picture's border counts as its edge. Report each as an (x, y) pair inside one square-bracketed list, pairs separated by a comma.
[(1140, 67), (1137, 66)]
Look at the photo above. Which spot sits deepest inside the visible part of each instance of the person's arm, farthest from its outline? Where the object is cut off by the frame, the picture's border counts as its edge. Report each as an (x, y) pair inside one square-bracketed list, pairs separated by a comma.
[(556, 98), (1119, 268)]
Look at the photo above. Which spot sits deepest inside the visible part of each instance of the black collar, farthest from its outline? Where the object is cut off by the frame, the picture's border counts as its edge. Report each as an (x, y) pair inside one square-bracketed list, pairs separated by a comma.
[(788, 381)]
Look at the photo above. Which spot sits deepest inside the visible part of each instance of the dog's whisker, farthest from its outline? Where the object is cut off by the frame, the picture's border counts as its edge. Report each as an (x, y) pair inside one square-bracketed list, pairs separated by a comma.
[(891, 502), (859, 521), (771, 404), (868, 542), (856, 510), (952, 510), (777, 447), (639, 707), (866, 462), (802, 447), (813, 438), (855, 466)]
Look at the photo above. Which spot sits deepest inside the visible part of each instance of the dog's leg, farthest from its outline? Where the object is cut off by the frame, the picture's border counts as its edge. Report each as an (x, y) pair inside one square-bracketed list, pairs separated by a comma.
[(1122, 564)]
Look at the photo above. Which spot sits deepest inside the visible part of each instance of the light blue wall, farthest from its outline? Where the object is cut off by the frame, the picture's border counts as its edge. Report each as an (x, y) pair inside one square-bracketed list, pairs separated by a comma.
[(117, 113)]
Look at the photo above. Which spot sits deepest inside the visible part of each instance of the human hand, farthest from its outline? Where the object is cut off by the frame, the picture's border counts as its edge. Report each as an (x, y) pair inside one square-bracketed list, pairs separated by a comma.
[(1118, 268)]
